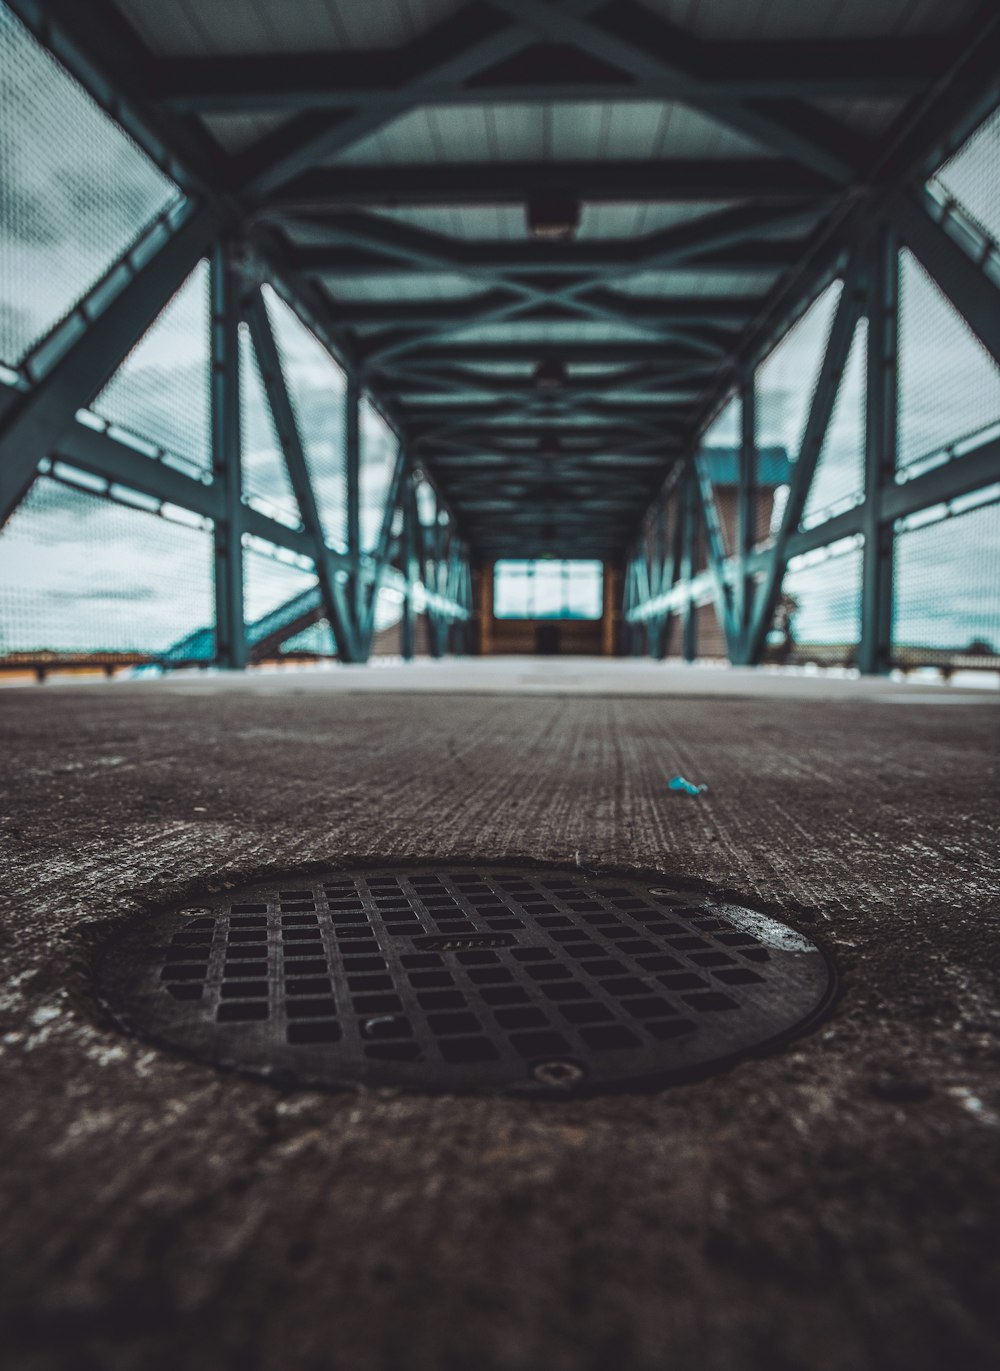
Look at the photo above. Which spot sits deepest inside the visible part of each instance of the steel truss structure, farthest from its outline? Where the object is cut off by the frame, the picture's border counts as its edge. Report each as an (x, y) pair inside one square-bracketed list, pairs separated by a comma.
[(745, 587), (428, 566), (525, 468)]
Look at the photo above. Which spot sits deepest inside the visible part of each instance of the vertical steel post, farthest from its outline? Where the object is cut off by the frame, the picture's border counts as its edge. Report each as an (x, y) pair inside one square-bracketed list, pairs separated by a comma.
[(438, 630), (410, 571), (635, 632), (881, 432), (352, 458), (654, 627), (230, 633), (746, 511), (689, 499)]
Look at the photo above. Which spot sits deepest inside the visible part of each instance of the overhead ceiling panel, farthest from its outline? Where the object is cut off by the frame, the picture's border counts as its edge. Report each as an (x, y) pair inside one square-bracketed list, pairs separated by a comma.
[(866, 116), (693, 282), (569, 332), (598, 131), (236, 132), (632, 221), (813, 18), (204, 28), (401, 286), (496, 223), (506, 223)]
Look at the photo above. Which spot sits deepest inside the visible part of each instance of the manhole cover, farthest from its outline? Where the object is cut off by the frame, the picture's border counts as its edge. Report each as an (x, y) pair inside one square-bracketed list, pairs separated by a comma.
[(480, 979)]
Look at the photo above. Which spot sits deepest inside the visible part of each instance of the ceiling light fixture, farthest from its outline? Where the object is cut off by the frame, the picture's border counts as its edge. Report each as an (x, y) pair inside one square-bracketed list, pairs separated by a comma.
[(553, 218), (550, 374)]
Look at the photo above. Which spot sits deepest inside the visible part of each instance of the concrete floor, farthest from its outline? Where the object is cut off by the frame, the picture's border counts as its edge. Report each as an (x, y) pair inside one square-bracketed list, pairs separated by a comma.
[(833, 1206)]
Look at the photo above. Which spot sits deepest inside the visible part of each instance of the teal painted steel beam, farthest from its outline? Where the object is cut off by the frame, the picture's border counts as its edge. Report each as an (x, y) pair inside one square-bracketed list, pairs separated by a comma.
[(460, 46), (637, 41), (689, 515), (670, 181), (881, 438), (227, 465), (716, 552), (835, 359), (746, 506), (747, 69), (381, 554), (35, 420), (352, 476), (938, 245), (330, 577)]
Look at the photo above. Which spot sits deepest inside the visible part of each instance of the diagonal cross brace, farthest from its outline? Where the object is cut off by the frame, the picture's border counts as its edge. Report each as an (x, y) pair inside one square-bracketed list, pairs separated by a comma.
[(393, 502), (849, 311), (474, 39), (332, 588), (32, 423), (791, 127), (716, 552), (936, 246)]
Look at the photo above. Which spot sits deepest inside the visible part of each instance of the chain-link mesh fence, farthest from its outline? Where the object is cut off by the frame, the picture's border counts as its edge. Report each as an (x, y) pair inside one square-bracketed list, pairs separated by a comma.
[(785, 383), (379, 450), (275, 584), (972, 177), (75, 192), (83, 577), (818, 618), (266, 485), (839, 479), (719, 457), (162, 390), (949, 387), (947, 588)]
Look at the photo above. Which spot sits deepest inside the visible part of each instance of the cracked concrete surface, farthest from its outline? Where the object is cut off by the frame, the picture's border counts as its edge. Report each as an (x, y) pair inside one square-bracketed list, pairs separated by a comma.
[(832, 1206)]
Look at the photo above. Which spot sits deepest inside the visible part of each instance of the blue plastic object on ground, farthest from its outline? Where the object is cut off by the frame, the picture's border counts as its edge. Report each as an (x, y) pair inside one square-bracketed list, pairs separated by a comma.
[(685, 787)]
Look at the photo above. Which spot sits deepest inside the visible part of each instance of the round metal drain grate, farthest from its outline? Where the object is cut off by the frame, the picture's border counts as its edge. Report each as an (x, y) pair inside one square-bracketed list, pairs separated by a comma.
[(483, 979)]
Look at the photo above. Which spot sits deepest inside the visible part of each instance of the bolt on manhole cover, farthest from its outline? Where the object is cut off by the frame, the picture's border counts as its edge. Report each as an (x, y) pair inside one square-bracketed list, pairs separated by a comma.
[(483, 979)]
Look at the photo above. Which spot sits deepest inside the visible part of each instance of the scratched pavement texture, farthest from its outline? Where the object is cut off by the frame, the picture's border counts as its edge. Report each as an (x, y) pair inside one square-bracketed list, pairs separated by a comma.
[(830, 1207)]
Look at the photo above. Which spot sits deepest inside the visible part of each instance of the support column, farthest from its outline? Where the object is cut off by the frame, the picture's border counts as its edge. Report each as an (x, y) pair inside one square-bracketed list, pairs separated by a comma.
[(438, 630), (746, 512), (654, 627), (352, 455), (689, 499), (407, 632), (230, 633), (381, 555), (881, 430)]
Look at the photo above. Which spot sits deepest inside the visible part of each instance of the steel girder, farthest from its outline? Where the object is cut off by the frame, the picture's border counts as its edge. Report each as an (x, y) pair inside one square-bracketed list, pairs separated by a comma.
[(756, 69), (33, 421), (335, 600), (227, 463), (648, 51), (881, 432)]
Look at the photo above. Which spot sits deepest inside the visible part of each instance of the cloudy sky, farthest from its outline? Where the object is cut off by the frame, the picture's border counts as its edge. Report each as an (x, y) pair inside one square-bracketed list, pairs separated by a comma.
[(77, 572)]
